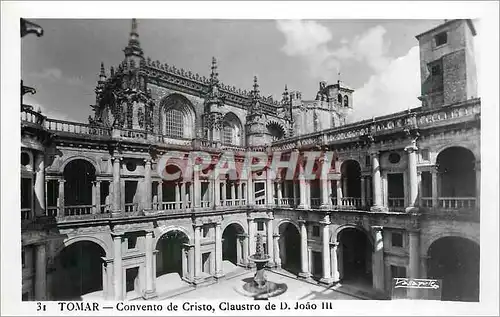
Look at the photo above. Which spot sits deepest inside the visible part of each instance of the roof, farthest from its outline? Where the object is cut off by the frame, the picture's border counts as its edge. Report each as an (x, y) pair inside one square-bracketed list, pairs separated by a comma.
[(448, 22)]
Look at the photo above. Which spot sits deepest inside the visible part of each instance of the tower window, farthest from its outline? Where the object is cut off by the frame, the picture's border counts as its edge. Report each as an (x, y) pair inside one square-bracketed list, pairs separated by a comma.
[(441, 38), (346, 101), (339, 98)]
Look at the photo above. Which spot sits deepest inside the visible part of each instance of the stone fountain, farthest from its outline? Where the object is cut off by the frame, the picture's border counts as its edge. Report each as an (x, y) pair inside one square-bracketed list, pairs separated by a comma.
[(259, 287)]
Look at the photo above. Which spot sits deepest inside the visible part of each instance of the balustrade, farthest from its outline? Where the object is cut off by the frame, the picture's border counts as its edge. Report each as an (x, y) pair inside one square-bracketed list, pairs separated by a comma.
[(315, 202), (52, 211), (426, 202), (25, 213), (396, 203), (78, 210), (131, 207), (457, 202)]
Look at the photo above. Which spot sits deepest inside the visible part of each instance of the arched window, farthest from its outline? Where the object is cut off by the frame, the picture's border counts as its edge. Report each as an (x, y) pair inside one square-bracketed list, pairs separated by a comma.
[(232, 130), (339, 98), (346, 101), (178, 117)]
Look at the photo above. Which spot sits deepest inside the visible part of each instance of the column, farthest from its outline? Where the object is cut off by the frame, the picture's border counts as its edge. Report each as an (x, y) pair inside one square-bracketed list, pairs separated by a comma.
[(363, 191), (160, 195), (191, 263), (412, 173), (304, 252), (344, 187), (94, 209), (420, 188), (149, 291), (270, 242), (183, 200), (279, 185), (250, 194), (435, 200), (376, 180), (177, 195), (61, 196), (339, 192), (233, 192), (116, 185), (245, 248), (327, 273), (98, 196), (117, 267), (147, 184), (41, 273), (218, 251), (216, 187), (325, 167), (197, 188), (269, 188), (197, 253), (277, 258), (378, 259), (225, 192), (368, 191), (251, 236), (286, 191), (414, 261), (333, 262), (295, 193), (40, 185), (304, 204)]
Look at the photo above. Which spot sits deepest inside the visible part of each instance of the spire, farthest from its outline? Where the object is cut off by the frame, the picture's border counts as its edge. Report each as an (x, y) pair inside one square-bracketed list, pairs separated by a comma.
[(133, 47), (214, 76), (255, 88), (102, 73), (285, 95)]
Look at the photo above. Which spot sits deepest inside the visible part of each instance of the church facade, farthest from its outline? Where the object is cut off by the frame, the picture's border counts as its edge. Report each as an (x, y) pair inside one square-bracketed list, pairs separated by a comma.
[(399, 197)]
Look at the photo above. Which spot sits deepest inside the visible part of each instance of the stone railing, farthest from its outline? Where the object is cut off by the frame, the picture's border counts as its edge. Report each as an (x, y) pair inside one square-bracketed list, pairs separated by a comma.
[(350, 202), (25, 213), (416, 118), (456, 202), (77, 210), (131, 207), (76, 127), (30, 116), (396, 203), (426, 202)]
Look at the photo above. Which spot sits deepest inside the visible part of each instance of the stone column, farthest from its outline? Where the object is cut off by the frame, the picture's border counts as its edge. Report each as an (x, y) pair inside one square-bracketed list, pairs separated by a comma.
[(412, 173), (250, 194), (98, 196), (216, 187), (183, 191), (270, 242), (363, 191), (269, 188), (304, 203), (304, 252), (435, 200), (147, 184), (325, 166), (93, 208), (334, 262), (197, 253), (378, 258), (368, 190), (277, 258), (233, 192), (117, 267), (40, 185), (420, 188), (41, 273), (160, 195), (414, 261), (344, 187), (376, 180), (177, 195), (251, 236), (295, 193), (218, 251), (149, 292), (191, 263), (339, 192), (279, 185), (286, 192), (197, 188), (116, 186), (61, 196), (327, 273), (245, 248)]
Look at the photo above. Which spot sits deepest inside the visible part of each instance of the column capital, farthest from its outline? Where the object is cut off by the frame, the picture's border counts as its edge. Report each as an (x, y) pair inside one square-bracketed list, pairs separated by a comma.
[(148, 160), (149, 231), (276, 235), (117, 234), (373, 152), (412, 147), (334, 244), (119, 158), (377, 228)]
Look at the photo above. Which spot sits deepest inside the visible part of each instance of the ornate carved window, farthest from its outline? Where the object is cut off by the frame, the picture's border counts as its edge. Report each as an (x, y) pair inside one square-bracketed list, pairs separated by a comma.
[(231, 130), (174, 123), (178, 117)]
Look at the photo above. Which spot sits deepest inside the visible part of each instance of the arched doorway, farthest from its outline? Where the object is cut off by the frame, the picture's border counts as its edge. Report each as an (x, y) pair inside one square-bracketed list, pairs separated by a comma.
[(289, 245), (355, 256), (78, 175), (455, 261), (457, 175), (351, 183), (78, 271), (170, 255), (232, 248)]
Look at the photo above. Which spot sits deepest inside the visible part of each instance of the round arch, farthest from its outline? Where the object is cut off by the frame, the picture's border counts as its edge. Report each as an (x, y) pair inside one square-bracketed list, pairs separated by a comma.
[(283, 221), (354, 254), (339, 229), (426, 243), (466, 146), (234, 222), (182, 116), (166, 229), (80, 157)]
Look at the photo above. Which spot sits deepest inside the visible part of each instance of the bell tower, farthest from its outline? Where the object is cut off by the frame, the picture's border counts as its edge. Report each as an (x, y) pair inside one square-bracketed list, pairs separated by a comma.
[(447, 65)]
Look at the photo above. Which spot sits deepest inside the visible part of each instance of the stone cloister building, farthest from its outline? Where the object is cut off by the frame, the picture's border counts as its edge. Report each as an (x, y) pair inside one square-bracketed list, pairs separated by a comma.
[(401, 196)]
